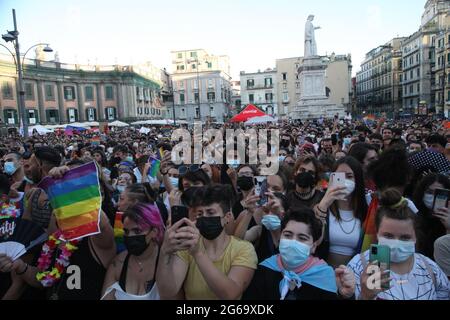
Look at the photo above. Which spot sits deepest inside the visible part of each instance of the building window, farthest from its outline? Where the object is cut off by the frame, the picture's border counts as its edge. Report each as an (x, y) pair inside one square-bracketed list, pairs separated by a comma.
[(181, 98), (284, 76), (194, 66), (197, 113), (250, 83), (52, 116), (418, 72), (109, 93), (29, 92), (181, 84), (7, 90), (89, 93), (284, 86), (251, 98), (211, 96), (268, 82), (10, 116), (269, 97), (69, 93), (32, 117), (153, 111), (110, 113), (285, 97), (193, 54), (418, 87), (297, 85), (72, 115), (180, 55), (49, 92), (210, 83), (196, 97), (209, 65), (91, 114)]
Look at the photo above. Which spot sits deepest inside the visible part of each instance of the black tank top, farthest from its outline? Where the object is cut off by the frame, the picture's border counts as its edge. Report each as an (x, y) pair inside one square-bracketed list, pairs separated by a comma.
[(123, 275), (92, 276)]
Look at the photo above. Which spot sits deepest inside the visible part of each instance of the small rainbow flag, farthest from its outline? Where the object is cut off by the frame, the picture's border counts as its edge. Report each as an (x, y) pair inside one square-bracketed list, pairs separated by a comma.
[(76, 201), (95, 141), (155, 166), (369, 232), (118, 232), (370, 119)]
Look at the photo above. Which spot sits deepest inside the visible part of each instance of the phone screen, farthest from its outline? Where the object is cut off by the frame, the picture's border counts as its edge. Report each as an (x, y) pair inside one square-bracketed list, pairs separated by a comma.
[(441, 197), (261, 189)]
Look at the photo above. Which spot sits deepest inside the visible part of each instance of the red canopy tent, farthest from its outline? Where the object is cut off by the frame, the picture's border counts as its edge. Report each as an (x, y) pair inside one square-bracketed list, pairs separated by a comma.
[(249, 112)]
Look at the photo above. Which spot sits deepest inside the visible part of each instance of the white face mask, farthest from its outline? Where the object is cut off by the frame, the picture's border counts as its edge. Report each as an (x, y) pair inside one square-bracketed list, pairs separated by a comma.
[(350, 185), (428, 200)]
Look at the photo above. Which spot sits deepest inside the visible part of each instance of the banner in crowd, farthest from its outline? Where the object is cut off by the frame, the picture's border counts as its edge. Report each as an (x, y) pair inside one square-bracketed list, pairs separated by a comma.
[(76, 201)]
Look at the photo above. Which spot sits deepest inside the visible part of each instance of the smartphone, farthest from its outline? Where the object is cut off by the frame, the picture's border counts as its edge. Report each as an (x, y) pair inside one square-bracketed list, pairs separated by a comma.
[(178, 213), (441, 198), (382, 254), (334, 139), (337, 179), (260, 189)]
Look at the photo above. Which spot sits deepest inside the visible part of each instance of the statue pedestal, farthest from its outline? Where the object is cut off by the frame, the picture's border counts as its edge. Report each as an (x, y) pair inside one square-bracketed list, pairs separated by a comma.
[(314, 102)]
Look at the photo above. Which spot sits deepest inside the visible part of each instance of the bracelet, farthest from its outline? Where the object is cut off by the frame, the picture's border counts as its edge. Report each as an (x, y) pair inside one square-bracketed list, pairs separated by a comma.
[(318, 208), (23, 272)]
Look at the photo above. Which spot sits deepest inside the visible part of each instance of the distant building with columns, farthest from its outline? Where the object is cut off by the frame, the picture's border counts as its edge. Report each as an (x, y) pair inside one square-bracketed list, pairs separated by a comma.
[(65, 93)]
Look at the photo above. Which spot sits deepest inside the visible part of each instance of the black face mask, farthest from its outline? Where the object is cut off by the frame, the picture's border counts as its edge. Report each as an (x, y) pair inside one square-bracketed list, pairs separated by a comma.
[(136, 245), (285, 143), (305, 180), (245, 183), (210, 228)]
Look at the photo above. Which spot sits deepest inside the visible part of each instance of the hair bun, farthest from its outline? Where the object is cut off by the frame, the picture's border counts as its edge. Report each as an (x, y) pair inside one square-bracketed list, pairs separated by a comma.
[(392, 198)]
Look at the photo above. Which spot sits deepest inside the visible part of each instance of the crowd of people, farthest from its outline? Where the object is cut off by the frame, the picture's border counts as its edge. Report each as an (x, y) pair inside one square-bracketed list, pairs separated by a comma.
[(199, 231)]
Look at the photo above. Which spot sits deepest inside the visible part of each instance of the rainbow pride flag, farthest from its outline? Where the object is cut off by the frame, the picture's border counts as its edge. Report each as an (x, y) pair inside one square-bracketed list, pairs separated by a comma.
[(369, 119), (95, 141), (369, 231), (76, 201), (118, 232), (155, 166)]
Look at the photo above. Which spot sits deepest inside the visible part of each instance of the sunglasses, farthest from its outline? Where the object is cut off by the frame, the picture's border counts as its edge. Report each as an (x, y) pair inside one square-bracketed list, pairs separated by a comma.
[(182, 170)]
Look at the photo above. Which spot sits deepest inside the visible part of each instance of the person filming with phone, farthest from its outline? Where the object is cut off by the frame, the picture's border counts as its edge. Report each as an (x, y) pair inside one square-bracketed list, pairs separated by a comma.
[(392, 270)]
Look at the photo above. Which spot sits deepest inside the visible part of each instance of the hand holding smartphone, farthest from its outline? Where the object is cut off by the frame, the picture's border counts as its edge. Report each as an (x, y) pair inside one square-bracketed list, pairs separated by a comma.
[(441, 199), (261, 189), (177, 213), (381, 254)]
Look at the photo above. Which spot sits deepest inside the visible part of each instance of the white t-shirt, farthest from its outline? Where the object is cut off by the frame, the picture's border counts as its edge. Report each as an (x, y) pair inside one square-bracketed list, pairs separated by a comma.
[(416, 285), (344, 234)]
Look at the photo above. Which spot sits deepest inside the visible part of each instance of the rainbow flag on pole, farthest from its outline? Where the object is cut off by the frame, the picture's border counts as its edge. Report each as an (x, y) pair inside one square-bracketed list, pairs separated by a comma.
[(76, 201), (370, 119)]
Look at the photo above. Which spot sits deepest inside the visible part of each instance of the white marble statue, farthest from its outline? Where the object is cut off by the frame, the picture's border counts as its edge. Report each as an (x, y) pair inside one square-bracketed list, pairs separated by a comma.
[(39, 52), (56, 56), (310, 39)]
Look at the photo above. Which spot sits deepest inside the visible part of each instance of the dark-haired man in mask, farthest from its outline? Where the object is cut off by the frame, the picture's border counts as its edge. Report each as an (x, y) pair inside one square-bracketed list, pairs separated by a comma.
[(305, 193)]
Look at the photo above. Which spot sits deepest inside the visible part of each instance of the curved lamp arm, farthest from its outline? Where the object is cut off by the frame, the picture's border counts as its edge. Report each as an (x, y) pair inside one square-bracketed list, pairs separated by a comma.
[(38, 44), (13, 55)]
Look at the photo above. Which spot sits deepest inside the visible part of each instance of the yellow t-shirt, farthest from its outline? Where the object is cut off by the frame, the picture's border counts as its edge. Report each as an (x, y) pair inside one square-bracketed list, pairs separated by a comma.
[(237, 253)]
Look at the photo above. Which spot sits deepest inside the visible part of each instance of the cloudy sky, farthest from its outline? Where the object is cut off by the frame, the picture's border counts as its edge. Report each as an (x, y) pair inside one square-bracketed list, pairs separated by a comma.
[(254, 33)]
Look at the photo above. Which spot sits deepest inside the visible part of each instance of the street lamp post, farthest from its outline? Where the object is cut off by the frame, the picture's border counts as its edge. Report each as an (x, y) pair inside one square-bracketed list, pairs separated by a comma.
[(13, 36)]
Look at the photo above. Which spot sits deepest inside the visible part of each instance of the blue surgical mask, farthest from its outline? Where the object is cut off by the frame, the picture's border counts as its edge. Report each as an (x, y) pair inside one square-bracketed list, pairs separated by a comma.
[(294, 253), (347, 141), (271, 222), (121, 188), (129, 159), (234, 163), (400, 250), (10, 168), (281, 158), (173, 182), (428, 200)]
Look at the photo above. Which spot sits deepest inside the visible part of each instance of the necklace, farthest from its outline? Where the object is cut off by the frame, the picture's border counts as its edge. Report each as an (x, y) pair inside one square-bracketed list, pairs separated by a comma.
[(141, 268), (353, 229)]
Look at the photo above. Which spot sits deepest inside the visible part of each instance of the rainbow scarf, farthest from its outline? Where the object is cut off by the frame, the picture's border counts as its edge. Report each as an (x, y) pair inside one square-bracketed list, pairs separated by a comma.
[(76, 201), (369, 230), (118, 232)]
